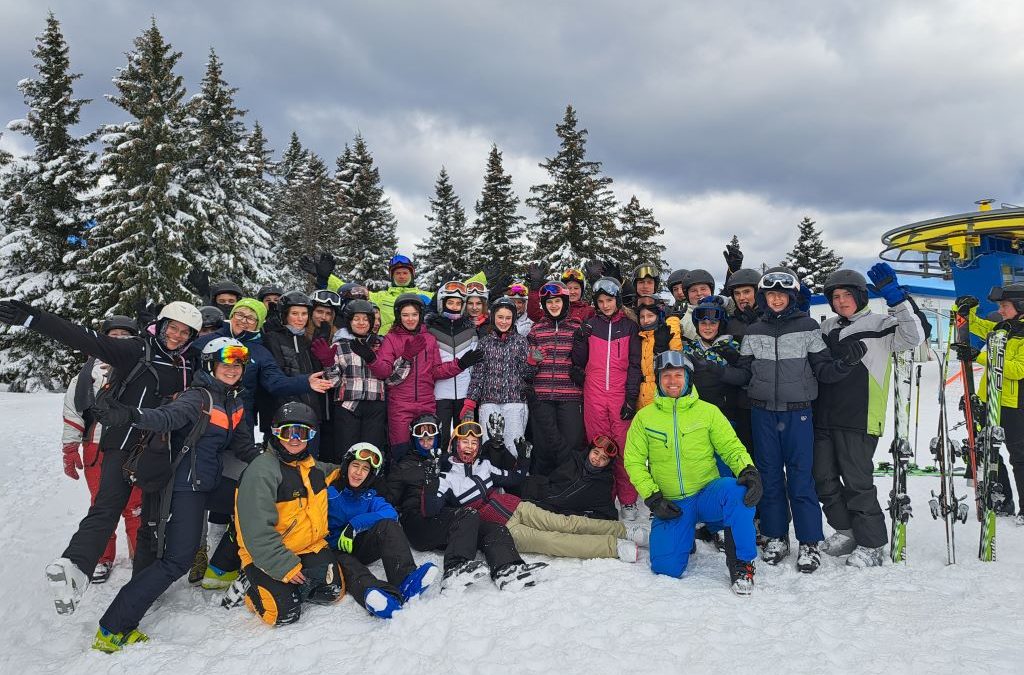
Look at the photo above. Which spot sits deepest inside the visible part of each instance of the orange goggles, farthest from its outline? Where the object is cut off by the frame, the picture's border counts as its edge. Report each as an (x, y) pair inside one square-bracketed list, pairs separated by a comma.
[(572, 275), (234, 355), (468, 429), (454, 287), (373, 457), (476, 288)]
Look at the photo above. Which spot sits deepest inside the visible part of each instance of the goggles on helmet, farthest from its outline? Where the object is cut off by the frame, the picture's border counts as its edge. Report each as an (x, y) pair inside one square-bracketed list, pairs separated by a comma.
[(358, 292), (646, 271), (608, 287), (454, 288), (326, 298), (672, 359), (572, 275), (233, 354), (518, 291), (607, 445), (476, 289), (425, 430), (371, 455), (399, 260), (298, 432), (779, 280), (553, 289), (468, 429)]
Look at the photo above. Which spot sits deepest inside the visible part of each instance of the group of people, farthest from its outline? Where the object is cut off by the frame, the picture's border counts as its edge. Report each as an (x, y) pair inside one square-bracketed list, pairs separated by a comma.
[(492, 416)]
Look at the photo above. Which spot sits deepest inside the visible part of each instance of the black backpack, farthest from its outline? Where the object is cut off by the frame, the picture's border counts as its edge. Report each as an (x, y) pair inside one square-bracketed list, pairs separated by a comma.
[(152, 462)]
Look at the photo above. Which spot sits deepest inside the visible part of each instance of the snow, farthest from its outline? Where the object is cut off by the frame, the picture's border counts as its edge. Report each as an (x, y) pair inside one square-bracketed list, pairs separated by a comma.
[(599, 616)]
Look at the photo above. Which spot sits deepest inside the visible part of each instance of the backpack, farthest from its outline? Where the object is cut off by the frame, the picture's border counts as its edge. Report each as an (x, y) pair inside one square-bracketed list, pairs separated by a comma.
[(152, 462)]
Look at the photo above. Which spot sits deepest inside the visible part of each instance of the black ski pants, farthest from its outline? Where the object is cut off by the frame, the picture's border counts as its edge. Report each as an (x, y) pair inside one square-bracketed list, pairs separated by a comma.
[(461, 533), (1012, 420), (367, 423), (448, 410), (279, 603), (90, 540), (843, 477), (386, 541), (557, 433)]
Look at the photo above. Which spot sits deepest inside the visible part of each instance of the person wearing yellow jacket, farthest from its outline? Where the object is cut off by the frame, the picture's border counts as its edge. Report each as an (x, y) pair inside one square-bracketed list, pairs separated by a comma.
[(658, 333), (670, 458)]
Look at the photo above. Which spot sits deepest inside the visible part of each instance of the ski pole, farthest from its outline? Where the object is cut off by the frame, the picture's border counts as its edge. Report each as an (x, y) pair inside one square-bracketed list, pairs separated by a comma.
[(917, 411)]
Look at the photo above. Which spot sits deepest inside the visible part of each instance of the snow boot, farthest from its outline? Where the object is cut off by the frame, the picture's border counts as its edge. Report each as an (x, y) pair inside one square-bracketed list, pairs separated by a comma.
[(113, 642), (743, 577), (101, 573), (215, 579), (198, 571), (774, 550), (630, 513), (628, 550), (864, 556), (418, 581), (517, 576), (720, 541), (639, 532), (235, 595), (380, 603), (840, 542), (67, 583), (809, 559), (1019, 520), (463, 575)]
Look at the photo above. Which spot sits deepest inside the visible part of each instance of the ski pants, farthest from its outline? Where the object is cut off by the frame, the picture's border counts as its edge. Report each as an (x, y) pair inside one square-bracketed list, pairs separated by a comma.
[(448, 410), (385, 541), (110, 501), (367, 423), (784, 455), (1012, 420), (279, 603), (601, 416), (453, 530), (844, 479), (92, 458), (557, 433), (536, 530), (515, 415), (718, 504), (181, 541)]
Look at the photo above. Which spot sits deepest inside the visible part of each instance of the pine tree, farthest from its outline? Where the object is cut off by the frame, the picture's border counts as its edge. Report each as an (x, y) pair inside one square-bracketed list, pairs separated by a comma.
[(304, 222), (498, 225), (43, 214), (370, 229), (810, 258), (640, 237), (254, 174), (447, 253), (576, 209), (140, 247), (231, 241)]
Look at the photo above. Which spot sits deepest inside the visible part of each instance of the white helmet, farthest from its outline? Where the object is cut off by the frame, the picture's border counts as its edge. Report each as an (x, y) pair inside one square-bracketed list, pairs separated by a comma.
[(213, 352), (184, 312)]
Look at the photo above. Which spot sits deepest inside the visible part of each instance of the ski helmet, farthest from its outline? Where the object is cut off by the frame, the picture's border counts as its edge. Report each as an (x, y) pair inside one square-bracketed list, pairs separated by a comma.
[(850, 280), (293, 299), (353, 307), (363, 452), (326, 298), (506, 303), (224, 350), (676, 278), (698, 276), (1012, 292), (225, 286), (119, 321), (270, 289), (708, 309), (409, 299), (576, 275), (451, 289), (351, 290), (647, 271), (431, 427), (212, 316), (399, 261), (742, 277), (295, 420), (554, 289), (607, 286), (182, 312), (673, 359)]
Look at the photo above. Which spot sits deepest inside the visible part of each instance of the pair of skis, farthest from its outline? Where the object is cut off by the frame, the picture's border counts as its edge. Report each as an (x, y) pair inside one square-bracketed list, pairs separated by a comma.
[(899, 507), (990, 491)]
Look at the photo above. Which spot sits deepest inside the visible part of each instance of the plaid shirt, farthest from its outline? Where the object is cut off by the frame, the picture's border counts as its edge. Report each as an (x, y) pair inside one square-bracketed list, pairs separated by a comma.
[(357, 382)]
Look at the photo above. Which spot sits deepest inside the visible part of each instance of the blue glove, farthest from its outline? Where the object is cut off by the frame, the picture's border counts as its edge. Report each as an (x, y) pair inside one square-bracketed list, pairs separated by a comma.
[(884, 278), (343, 541), (803, 298)]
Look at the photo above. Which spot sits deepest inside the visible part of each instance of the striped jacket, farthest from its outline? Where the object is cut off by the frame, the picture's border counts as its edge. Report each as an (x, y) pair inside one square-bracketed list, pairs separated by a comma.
[(454, 339), (551, 381)]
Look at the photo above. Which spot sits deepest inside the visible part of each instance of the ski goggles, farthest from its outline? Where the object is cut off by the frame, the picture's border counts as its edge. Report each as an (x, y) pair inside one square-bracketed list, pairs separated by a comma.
[(477, 289), (518, 291), (708, 314), (608, 287), (468, 429), (399, 261), (606, 444), (572, 275), (454, 288), (425, 430), (297, 432), (779, 280), (358, 293), (369, 454), (672, 359), (554, 289), (646, 272), (646, 301), (233, 355), (326, 298)]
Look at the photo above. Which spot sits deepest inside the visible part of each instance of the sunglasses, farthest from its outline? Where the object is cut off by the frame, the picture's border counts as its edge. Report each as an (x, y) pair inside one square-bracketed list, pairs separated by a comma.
[(234, 355), (469, 429), (425, 430), (553, 289), (298, 432), (370, 455)]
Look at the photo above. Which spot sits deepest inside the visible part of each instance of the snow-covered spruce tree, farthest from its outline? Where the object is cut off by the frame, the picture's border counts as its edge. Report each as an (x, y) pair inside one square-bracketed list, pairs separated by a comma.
[(810, 258), (447, 253), (230, 239), (304, 217), (640, 237), (498, 226), (575, 209), (370, 229), (44, 214), (254, 176)]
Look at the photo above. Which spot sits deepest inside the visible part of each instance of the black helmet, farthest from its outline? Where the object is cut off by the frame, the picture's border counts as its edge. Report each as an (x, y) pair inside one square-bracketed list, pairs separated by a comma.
[(293, 299), (326, 298), (295, 412), (408, 299), (268, 290), (353, 307), (852, 281), (698, 276), (677, 277), (225, 286), (742, 277), (647, 271), (1013, 292), (120, 321), (212, 316), (507, 303)]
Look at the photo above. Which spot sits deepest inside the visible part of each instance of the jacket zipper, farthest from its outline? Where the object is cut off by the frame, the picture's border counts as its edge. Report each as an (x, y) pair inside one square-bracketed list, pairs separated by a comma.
[(608, 358), (777, 369), (291, 527), (675, 441)]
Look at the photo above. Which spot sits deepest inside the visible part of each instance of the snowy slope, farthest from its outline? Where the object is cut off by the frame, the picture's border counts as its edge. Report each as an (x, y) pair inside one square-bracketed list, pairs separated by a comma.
[(599, 616)]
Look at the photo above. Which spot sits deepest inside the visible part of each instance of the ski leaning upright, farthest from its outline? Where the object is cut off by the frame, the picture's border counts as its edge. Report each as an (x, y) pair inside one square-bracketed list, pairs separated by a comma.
[(899, 500), (991, 491), (945, 503)]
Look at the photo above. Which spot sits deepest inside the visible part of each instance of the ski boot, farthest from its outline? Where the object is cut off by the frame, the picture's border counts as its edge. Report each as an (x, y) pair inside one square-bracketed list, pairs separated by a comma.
[(628, 550), (110, 643), (235, 595), (840, 542), (101, 573), (630, 512), (639, 532), (418, 581), (463, 575), (215, 579), (774, 550), (864, 556), (809, 559), (380, 603), (67, 583), (517, 576), (743, 577)]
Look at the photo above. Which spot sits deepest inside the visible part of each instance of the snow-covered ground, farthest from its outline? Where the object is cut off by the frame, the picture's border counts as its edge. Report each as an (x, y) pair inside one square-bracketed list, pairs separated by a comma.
[(599, 616)]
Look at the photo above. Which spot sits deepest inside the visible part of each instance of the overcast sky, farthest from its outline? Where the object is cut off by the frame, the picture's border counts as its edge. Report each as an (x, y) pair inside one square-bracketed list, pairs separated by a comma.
[(726, 118)]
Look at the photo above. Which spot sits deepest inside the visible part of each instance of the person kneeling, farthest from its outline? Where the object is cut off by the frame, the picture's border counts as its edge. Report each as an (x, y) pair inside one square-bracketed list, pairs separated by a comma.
[(364, 528), (670, 457), (281, 520)]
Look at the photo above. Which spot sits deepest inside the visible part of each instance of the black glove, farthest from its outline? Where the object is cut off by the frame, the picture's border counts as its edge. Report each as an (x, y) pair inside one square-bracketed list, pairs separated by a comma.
[(751, 479), (307, 264), (324, 330), (363, 351), (964, 352), (112, 413), (491, 270), (611, 269), (273, 320), (663, 508), (496, 427), (583, 333), (577, 375), (146, 313), (733, 257), (324, 269), (470, 358), (727, 352), (852, 352), (627, 410), (535, 276), (17, 313), (523, 448), (593, 270), (199, 281), (964, 304)]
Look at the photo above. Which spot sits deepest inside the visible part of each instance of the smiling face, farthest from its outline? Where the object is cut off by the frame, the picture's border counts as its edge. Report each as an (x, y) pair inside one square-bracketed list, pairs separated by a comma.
[(474, 306), (598, 458), (844, 303), (708, 329), (647, 316), (606, 305), (321, 314), (673, 382), (554, 305), (696, 292), (575, 290), (228, 373), (243, 320), (176, 334), (293, 445), (467, 448), (645, 286), (360, 325), (776, 300), (410, 317), (503, 319)]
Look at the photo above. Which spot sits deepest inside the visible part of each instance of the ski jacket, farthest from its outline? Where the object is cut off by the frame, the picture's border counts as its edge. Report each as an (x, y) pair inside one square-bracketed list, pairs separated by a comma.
[(76, 428), (407, 484), (262, 371), (859, 401), (227, 432), (551, 381), (1013, 359), (666, 336), (671, 447), (476, 486), (785, 357), (358, 383), (715, 381), (576, 488), (578, 310), (362, 509), (415, 394), (610, 357), (165, 374), (281, 512), (503, 374), (293, 353), (454, 338)]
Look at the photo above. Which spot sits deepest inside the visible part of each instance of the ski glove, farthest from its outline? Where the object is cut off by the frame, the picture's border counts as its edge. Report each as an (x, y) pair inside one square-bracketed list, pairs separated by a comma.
[(577, 375), (583, 333), (965, 352), (467, 411), (535, 275), (72, 460), (363, 351), (491, 269), (470, 358), (612, 269), (883, 276), (535, 357), (17, 313), (413, 346), (852, 353), (593, 270), (324, 269), (307, 264), (803, 300), (663, 508), (727, 352), (733, 257), (112, 413), (199, 281), (627, 411), (964, 304), (523, 448), (345, 539), (751, 479), (496, 428)]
